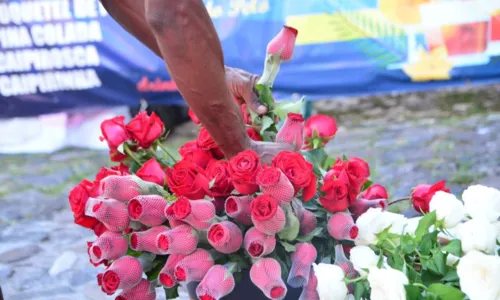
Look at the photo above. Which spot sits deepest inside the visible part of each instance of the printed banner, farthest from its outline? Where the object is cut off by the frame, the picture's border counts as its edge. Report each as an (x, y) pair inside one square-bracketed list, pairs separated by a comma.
[(57, 55)]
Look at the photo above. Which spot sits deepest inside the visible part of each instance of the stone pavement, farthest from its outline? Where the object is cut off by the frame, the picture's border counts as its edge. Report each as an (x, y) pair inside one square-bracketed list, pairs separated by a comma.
[(43, 254)]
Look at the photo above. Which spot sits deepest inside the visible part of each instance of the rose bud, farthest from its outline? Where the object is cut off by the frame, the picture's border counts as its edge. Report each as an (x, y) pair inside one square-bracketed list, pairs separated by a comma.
[(375, 191), (319, 130), (274, 183), (302, 260), (193, 117), (144, 129), (336, 198), (197, 213), (267, 216), (292, 131), (194, 266), (143, 291), (124, 273), (298, 171), (191, 152), (148, 209), (244, 168), (218, 172), (108, 246), (254, 135), (265, 273), (153, 172), (422, 194), (124, 188), (114, 132), (361, 205), (146, 240), (78, 198), (113, 214), (239, 209), (283, 43), (166, 275), (346, 265), (225, 237), (258, 244), (308, 221), (187, 179), (182, 239), (217, 283), (341, 226), (310, 291), (205, 142)]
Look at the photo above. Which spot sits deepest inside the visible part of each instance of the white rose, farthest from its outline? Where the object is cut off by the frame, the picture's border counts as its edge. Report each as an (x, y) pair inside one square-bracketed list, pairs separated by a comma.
[(412, 225), (362, 257), (387, 284), (451, 259), (447, 208), (331, 285), (482, 202), (497, 225), (477, 234), (374, 221), (479, 274)]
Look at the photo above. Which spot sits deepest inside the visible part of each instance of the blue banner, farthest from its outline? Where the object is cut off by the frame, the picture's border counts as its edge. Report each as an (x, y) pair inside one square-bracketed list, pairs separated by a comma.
[(57, 55)]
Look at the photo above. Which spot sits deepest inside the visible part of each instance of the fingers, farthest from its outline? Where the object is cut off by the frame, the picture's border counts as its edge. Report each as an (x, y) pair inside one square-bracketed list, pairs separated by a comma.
[(252, 97)]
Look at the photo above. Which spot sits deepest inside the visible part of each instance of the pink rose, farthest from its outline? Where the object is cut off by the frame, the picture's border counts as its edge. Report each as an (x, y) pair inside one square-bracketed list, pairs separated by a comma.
[(144, 129), (319, 130), (422, 194), (114, 132), (375, 191), (153, 172), (284, 41)]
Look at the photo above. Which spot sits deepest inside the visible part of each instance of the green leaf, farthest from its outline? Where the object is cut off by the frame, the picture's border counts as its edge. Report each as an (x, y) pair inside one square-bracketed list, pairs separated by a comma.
[(255, 117), (437, 263), (282, 109), (407, 244), (317, 157), (451, 276), (311, 235), (265, 95), (172, 293), (429, 242), (367, 184), (133, 253), (413, 275), (429, 278), (267, 122), (395, 261), (412, 292), (134, 166), (359, 290), (344, 157), (292, 226), (288, 247), (158, 264), (454, 247), (446, 292), (329, 162), (424, 224)]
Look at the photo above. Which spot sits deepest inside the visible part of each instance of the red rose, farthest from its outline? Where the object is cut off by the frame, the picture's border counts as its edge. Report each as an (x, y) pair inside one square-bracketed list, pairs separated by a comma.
[(319, 128), (243, 169), (152, 171), (254, 134), (375, 191), (116, 156), (298, 171), (255, 249), (263, 208), (191, 152), (187, 179), (121, 169), (114, 132), (336, 195), (356, 168), (145, 129), (422, 194), (193, 117), (205, 142), (110, 282), (218, 170), (105, 172), (78, 199), (217, 234), (247, 118)]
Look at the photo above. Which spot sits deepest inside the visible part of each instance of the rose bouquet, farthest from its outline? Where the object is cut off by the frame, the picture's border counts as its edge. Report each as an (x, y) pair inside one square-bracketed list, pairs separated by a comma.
[(303, 220)]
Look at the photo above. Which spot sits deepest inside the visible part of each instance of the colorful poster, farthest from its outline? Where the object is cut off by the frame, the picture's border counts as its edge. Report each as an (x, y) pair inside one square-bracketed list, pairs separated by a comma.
[(58, 55)]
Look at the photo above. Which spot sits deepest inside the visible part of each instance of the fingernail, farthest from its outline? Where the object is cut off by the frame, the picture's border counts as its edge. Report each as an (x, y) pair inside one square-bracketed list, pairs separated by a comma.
[(261, 109)]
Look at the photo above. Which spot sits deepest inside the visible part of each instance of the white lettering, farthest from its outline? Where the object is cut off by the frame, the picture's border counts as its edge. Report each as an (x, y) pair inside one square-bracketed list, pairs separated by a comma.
[(34, 11), (85, 9), (50, 34), (15, 37)]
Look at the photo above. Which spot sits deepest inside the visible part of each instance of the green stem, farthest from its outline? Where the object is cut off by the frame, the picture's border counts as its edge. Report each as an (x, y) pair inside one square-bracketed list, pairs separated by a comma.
[(349, 281), (166, 151), (398, 200), (420, 286), (131, 154)]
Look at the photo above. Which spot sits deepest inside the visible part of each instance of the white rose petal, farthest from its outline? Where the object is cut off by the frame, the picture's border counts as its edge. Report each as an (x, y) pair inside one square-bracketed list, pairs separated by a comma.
[(387, 284), (374, 221), (362, 257), (412, 225), (331, 285), (482, 202), (497, 225), (479, 276), (477, 234), (451, 259), (447, 208)]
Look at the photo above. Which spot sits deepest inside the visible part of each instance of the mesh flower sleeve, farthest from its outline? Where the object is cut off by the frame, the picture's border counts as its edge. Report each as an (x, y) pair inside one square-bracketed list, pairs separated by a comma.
[(310, 291), (146, 240), (341, 226), (272, 225), (258, 244), (217, 283), (197, 213), (148, 209), (166, 275), (292, 131), (124, 273), (346, 265), (109, 246), (274, 183), (226, 237), (182, 239), (238, 208), (112, 213), (143, 291), (194, 266), (265, 273), (302, 260), (124, 188), (307, 221), (360, 206)]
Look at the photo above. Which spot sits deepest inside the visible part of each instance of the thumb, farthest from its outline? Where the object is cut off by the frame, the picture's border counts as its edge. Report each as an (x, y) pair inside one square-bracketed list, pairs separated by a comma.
[(252, 98)]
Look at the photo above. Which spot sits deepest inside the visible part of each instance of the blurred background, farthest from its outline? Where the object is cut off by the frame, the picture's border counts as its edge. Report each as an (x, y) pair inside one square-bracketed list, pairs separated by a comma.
[(413, 84)]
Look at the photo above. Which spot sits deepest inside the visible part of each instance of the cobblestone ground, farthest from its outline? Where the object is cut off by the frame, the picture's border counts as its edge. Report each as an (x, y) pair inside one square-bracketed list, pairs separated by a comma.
[(43, 254)]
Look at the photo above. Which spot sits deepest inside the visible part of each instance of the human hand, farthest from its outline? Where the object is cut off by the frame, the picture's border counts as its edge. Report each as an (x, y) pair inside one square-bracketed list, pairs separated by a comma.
[(268, 150), (242, 86)]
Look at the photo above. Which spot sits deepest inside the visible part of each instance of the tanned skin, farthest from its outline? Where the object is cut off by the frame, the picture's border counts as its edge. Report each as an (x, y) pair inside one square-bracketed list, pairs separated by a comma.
[(182, 33)]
